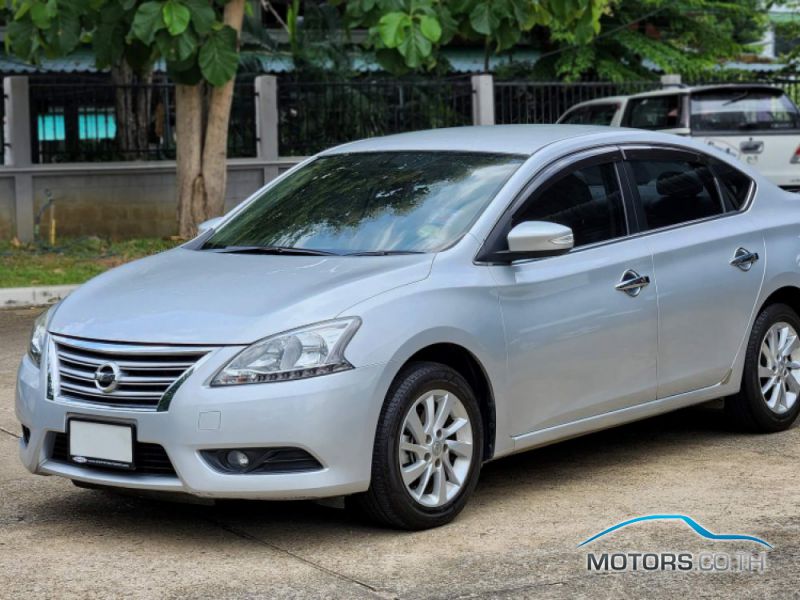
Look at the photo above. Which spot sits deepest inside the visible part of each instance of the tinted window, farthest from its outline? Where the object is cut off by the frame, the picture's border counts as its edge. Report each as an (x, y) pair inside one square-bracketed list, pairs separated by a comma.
[(587, 200), (734, 184), (370, 202), (655, 112), (743, 110), (675, 191), (596, 114)]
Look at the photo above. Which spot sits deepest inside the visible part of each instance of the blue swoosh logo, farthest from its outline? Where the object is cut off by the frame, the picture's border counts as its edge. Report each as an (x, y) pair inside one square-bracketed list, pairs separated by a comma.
[(698, 529)]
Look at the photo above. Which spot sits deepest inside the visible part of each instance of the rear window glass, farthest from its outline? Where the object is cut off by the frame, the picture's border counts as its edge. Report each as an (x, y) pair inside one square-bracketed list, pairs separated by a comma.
[(596, 114), (743, 110), (655, 112), (734, 185), (675, 191)]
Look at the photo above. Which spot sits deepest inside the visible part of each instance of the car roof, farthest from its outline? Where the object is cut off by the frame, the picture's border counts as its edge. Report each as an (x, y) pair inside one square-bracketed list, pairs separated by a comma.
[(501, 139), (668, 91)]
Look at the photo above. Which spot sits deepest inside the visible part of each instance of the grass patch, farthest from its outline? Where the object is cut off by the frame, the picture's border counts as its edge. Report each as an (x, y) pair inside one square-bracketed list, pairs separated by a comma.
[(71, 261)]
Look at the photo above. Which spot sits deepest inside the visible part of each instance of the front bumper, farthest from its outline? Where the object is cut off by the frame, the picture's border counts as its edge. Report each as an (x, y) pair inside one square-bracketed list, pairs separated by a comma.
[(333, 417)]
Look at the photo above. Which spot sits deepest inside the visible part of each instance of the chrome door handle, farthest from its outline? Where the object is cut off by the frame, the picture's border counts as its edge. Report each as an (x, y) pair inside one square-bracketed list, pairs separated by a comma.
[(744, 259), (632, 283)]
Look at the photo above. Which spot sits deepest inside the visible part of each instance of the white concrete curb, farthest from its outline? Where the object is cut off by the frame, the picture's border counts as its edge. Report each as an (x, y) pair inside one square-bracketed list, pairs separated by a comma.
[(33, 296)]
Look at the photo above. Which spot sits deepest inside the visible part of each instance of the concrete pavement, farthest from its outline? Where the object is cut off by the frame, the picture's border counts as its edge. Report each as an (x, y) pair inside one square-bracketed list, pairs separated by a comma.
[(518, 536)]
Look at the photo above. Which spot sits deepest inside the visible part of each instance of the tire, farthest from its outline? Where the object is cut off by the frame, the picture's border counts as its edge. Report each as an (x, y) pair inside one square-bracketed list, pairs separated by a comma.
[(752, 408), (420, 503)]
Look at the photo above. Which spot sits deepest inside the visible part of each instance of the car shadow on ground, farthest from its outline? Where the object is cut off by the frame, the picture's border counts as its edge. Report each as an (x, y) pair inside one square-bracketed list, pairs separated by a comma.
[(670, 436)]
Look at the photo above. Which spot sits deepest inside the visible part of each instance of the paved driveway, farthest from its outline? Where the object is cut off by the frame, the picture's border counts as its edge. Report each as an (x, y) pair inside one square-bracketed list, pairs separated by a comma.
[(517, 538)]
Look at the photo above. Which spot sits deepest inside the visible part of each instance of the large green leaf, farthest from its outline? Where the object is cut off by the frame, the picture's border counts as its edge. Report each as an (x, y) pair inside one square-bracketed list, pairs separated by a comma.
[(218, 56), (176, 48), (41, 15), (415, 48), (147, 21), (481, 18), (430, 28), (392, 28), (203, 15), (22, 37), (176, 17)]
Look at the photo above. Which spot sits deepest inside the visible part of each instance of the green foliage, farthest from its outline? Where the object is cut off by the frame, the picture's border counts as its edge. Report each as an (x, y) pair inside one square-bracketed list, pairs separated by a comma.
[(407, 34), (690, 37), (188, 34)]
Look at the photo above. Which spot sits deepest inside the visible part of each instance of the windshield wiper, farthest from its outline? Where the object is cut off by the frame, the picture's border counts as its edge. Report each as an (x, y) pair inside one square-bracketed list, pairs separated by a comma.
[(383, 252), (273, 250), (736, 99)]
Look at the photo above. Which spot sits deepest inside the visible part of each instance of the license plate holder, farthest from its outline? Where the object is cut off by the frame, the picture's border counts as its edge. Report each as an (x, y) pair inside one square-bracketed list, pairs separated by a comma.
[(101, 444)]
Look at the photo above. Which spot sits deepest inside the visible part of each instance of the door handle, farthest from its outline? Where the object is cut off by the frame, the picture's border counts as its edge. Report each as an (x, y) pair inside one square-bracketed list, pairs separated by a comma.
[(744, 259), (632, 283)]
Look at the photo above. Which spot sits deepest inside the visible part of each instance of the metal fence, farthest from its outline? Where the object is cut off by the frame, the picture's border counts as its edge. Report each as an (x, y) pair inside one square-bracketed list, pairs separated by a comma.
[(313, 115), (100, 121), (544, 101)]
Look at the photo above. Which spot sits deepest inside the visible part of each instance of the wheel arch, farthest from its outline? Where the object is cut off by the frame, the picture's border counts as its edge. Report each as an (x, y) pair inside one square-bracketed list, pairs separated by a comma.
[(788, 294), (464, 362)]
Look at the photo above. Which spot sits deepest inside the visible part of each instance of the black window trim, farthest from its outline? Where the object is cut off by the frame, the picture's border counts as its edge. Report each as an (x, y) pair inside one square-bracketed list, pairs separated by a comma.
[(494, 242), (638, 151)]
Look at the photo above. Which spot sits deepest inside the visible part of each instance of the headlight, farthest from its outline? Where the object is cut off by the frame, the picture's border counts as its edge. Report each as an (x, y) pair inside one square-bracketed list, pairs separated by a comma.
[(306, 352), (36, 347)]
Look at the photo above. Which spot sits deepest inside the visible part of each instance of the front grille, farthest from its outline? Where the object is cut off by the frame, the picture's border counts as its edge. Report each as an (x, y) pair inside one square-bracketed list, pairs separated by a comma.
[(145, 373), (148, 459)]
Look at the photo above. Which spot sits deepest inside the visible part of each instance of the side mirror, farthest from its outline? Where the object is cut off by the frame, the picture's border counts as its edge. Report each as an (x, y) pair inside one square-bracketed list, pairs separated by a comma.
[(536, 239), (208, 225)]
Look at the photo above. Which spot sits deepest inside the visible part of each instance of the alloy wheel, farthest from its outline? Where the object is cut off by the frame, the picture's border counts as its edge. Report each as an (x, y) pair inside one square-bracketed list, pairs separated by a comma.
[(436, 448), (779, 367)]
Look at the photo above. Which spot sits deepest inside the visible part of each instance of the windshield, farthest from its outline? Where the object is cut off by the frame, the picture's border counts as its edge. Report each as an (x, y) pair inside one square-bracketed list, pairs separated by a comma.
[(743, 110), (371, 203)]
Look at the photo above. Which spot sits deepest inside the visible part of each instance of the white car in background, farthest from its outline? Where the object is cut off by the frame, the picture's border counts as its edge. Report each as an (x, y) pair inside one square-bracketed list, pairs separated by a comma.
[(758, 124), (601, 111)]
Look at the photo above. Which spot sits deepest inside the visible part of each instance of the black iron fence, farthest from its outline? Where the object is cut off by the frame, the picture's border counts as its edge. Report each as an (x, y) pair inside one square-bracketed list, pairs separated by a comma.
[(100, 121), (2, 122), (313, 115), (544, 101)]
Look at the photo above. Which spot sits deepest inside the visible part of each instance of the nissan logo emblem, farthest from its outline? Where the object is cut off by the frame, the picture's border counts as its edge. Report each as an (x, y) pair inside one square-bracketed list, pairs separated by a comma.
[(106, 377)]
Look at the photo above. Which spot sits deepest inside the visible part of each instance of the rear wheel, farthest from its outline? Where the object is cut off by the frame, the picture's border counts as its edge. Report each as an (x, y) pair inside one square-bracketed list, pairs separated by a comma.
[(428, 450), (769, 399)]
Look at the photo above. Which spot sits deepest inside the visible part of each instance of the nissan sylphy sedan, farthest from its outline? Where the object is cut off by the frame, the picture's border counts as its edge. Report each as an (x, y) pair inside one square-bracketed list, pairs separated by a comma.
[(389, 315)]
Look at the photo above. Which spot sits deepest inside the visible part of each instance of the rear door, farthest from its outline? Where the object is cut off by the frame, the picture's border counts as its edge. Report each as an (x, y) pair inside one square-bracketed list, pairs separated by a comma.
[(708, 261)]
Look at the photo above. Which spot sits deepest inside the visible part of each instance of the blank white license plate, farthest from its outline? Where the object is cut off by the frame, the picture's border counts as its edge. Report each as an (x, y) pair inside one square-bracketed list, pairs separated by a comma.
[(101, 444)]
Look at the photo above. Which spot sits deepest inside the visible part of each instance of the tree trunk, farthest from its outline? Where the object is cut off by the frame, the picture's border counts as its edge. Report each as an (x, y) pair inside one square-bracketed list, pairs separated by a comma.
[(192, 208), (202, 143)]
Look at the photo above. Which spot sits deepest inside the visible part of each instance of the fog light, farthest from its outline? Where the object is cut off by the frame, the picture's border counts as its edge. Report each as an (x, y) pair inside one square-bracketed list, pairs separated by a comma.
[(238, 459)]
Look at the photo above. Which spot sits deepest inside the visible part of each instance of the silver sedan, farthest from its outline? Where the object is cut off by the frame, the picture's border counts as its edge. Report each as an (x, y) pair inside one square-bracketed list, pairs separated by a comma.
[(389, 315)]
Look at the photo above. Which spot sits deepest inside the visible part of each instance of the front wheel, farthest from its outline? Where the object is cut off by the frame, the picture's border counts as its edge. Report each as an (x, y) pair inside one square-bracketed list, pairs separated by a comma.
[(428, 450), (769, 399)]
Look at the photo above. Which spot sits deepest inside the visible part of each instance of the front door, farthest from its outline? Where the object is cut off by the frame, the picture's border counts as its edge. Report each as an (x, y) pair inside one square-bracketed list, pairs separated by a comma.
[(581, 328)]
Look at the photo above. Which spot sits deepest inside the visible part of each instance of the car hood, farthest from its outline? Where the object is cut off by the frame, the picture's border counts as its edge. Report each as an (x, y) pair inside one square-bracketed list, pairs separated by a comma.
[(200, 297)]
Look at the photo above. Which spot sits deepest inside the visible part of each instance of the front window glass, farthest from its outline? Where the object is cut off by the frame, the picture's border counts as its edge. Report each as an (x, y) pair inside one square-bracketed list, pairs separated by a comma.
[(588, 201), (372, 202), (743, 110), (655, 112), (675, 191)]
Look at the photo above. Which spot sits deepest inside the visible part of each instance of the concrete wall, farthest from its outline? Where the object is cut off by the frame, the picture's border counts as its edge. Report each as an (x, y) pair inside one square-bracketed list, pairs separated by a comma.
[(7, 208), (119, 201)]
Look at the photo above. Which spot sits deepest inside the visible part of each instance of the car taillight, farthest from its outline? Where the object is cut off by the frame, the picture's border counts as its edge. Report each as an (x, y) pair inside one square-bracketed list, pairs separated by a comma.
[(796, 157)]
